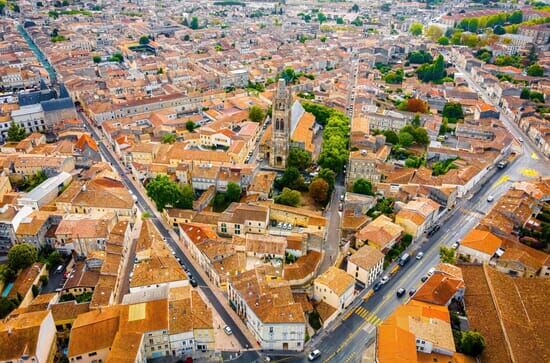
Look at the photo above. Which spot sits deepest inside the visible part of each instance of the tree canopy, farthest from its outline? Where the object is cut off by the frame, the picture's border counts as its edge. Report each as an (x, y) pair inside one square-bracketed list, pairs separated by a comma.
[(144, 39), (416, 29), (362, 186), (434, 72), (453, 111), (472, 343), (535, 70), (299, 158), (289, 197), (165, 192), (168, 138), (447, 255), (16, 133), (256, 114), (319, 190), (22, 255)]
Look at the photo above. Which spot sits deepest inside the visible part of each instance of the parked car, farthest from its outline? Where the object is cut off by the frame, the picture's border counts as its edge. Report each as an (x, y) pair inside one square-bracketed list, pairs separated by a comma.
[(431, 271), (400, 292), (412, 292), (59, 269), (455, 245), (419, 255), (424, 278), (227, 330), (314, 354), (385, 279), (193, 282), (490, 198), (377, 285)]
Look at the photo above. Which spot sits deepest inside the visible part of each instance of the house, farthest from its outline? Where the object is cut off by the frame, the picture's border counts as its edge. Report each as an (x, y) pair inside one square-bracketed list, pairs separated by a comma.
[(311, 221), (335, 288), (23, 285), (268, 308), (417, 216), (87, 151), (262, 184), (45, 192), (366, 264), (478, 246), (440, 289), (28, 337), (511, 310), (381, 233), (417, 332), (239, 219)]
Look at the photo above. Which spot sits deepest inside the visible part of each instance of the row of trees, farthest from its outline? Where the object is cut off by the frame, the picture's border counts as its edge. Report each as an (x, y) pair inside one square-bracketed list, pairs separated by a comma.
[(334, 152), (490, 21)]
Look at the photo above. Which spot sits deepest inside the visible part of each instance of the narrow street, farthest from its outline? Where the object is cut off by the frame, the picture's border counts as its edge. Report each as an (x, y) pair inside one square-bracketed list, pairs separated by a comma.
[(220, 305)]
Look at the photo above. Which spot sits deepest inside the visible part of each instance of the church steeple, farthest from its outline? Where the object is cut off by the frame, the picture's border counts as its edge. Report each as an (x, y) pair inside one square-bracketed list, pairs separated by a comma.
[(280, 135)]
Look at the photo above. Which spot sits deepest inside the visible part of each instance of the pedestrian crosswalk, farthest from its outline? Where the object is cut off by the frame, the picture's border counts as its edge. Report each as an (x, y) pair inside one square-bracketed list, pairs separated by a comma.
[(350, 358), (367, 316)]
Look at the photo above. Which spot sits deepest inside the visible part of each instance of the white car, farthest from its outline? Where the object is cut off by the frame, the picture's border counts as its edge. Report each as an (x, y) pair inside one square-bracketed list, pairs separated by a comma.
[(431, 271), (455, 245), (314, 354), (419, 255), (227, 330), (490, 198), (385, 279)]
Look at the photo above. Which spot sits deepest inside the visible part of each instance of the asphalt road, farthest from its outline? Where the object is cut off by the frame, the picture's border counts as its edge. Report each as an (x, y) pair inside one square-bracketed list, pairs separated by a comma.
[(142, 204)]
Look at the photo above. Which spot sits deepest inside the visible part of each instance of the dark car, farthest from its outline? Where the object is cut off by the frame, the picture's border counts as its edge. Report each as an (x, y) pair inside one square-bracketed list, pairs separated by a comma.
[(412, 292), (423, 278), (400, 292), (193, 282), (377, 286)]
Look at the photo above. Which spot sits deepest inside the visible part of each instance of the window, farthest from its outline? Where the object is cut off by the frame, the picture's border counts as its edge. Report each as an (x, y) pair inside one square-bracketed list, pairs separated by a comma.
[(271, 329), (92, 354)]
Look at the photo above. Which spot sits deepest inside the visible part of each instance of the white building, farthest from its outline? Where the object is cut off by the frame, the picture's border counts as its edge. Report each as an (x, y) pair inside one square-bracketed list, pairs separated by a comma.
[(366, 264)]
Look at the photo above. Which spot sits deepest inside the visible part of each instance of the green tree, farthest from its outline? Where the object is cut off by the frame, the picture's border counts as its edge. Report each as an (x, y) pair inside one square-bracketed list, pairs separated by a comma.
[(472, 343), (314, 320), (299, 158), (144, 40), (190, 126), (419, 57), (96, 59), (289, 197), (415, 122), (165, 192), (391, 137), (321, 18), (453, 111), (421, 136), (168, 138), (447, 255), (535, 70), (329, 176), (443, 41), (291, 179), (53, 260), (256, 114), (416, 29), (22, 255), (16, 133), (6, 306), (319, 190), (499, 30), (194, 23), (355, 8), (516, 17), (186, 38), (233, 193), (405, 139), (339, 20), (433, 32), (362, 186)]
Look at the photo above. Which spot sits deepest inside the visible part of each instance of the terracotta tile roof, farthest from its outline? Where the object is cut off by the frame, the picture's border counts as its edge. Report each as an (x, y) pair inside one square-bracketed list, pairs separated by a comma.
[(19, 335), (102, 324), (512, 311), (482, 241), (366, 257), (303, 266), (335, 279), (439, 289), (381, 231), (86, 140), (325, 310)]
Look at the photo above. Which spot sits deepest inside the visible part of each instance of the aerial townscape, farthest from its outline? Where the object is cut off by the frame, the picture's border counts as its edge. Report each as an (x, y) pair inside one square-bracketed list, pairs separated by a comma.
[(243, 181)]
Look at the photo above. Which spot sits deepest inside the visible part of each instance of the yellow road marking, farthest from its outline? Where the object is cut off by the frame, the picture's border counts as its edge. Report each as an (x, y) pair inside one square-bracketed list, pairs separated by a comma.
[(534, 156), (503, 179), (529, 173)]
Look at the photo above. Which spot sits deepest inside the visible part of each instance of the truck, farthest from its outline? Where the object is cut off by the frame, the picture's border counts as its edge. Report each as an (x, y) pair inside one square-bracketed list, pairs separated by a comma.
[(502, 164)]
